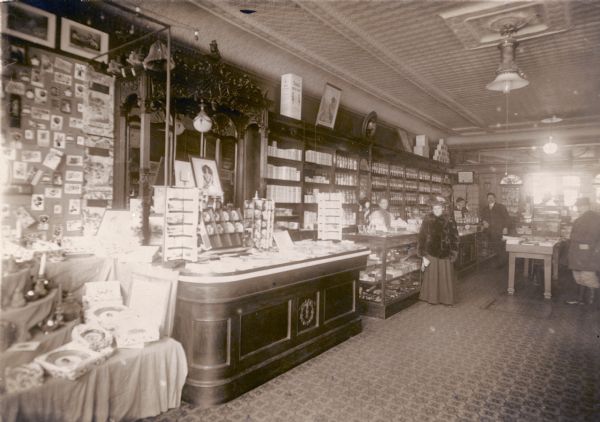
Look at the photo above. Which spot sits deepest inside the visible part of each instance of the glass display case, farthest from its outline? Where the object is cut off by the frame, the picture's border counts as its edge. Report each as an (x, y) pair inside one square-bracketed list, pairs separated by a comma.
[(392, 279)]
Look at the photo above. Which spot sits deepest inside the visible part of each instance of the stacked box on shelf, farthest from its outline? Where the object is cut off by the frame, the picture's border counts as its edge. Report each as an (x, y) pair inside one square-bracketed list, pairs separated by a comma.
[(285, 194), (345, 179), (317, 157), (329, 216), (288, 153), (441, 152), (421, 146), (283, 173), (310, 220)]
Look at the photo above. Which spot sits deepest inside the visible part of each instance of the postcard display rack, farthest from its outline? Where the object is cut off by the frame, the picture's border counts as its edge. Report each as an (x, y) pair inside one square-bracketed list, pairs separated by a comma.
[(392, 279), (57, 140), (219, 227), (329, 219), (181, 224)]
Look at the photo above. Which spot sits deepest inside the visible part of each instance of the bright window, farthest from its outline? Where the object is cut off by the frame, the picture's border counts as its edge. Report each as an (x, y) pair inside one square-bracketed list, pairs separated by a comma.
[(548, 188)]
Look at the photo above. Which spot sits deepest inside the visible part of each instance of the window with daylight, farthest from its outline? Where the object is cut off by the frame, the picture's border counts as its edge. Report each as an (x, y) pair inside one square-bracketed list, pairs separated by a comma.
[(555, 189)]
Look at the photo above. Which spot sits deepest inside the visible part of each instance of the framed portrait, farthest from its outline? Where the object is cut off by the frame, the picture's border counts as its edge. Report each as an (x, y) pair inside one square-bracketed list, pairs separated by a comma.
[(207, 176), (330, 103), (29, 23), (184, 175), (83, 40)]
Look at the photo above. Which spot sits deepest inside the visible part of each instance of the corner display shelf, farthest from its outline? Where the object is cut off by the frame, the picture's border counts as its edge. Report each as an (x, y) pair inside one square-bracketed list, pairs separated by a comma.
[(392, 278)]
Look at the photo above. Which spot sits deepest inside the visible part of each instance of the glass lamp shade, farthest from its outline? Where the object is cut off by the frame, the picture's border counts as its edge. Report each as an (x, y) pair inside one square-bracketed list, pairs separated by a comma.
[(202, 122), (550, 147), (507, 81), (157, 58)]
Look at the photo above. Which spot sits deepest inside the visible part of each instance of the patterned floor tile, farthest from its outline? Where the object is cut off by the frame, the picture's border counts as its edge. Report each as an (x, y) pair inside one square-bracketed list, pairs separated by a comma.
[(491, 358)]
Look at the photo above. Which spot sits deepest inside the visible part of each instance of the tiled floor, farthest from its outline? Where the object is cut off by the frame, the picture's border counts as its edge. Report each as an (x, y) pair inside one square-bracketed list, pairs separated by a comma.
[(492, 357)]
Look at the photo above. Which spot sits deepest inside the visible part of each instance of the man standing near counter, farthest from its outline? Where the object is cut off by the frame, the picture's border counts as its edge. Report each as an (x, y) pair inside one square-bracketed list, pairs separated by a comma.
[(495, 220)]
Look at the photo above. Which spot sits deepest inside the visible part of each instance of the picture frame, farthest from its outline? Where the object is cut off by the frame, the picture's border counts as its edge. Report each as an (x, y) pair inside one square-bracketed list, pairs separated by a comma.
[(184, 175), (29, 23), (329, 106), (466, 177), (207, 176), (83, 40)]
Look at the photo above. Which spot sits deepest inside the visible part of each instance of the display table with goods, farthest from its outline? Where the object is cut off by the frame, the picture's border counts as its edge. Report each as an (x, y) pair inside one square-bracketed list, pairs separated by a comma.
[(131, 384), (244, 318), (392, 279), (114, 366), (545, 249)]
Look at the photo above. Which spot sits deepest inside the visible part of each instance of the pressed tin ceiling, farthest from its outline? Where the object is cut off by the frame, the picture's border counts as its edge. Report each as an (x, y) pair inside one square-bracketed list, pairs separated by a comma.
[(433, 59)]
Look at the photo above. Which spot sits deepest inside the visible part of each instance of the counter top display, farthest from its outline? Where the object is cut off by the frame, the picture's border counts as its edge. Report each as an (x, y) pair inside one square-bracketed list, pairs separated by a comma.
[(243, 320), (392, 280)]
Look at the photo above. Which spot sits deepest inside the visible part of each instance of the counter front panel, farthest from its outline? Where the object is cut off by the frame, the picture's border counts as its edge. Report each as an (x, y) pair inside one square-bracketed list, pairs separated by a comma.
[(239, 333)]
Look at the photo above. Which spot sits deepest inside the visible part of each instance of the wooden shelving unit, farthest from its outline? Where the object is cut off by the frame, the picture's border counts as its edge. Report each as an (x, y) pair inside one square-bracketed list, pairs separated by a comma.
[(328, 162)]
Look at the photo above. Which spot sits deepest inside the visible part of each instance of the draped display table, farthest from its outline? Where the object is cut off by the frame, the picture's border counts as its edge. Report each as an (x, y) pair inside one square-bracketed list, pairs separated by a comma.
[(132, 384)]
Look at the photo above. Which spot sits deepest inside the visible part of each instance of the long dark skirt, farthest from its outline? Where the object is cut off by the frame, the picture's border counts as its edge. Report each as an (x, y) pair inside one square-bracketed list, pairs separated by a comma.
[(438, 282)]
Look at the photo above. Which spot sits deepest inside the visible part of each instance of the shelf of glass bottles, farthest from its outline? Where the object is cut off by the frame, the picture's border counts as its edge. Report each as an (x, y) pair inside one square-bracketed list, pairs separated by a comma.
[(346, 179), (411, 173), (396, 184), (378, 182), (346, 163), (380, 168), (400, 273)]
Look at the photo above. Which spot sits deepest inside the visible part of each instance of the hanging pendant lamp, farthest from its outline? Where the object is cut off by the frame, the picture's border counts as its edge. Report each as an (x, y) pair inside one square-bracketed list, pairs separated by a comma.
[(508, 75), (157, 58), (202, 122)]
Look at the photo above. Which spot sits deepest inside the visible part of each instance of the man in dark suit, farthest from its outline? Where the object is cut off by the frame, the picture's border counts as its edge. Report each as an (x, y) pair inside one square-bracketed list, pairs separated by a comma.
[(495, 220)]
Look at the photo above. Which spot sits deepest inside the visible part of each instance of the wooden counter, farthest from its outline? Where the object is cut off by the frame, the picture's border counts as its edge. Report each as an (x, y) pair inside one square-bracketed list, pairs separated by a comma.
[(241, 329)]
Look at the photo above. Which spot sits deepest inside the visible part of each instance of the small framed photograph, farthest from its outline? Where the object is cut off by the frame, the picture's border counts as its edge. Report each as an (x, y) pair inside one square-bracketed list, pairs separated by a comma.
[(29, 156), (74, 206), (75, 160), (330, 103), (82, 40), (56, 122), (207, 176), (37, 202), (53, 192), (72, 189), (29, 23), (73, 176)]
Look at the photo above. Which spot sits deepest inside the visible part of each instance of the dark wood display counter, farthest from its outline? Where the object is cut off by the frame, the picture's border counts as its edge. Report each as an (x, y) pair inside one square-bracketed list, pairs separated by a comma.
[(241, 329)]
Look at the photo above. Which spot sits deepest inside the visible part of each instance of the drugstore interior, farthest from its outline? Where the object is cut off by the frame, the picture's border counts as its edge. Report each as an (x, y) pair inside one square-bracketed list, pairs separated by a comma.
[(192, 188)]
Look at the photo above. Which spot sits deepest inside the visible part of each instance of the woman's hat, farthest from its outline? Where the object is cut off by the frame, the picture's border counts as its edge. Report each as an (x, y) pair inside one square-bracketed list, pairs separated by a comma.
[(436, 200), (582, 202)]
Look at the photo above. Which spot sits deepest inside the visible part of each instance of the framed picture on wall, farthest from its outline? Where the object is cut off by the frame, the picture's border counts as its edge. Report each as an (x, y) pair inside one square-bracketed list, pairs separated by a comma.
[(83, 40), (465, 177), (29, 23), (330, 103), (207, 176)]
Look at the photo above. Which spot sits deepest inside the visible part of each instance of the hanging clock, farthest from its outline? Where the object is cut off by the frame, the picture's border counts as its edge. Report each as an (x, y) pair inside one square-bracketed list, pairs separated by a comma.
[(369, 125)]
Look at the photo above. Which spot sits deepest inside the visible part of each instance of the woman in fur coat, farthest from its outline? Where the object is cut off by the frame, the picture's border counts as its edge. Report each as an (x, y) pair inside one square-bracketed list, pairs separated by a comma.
[(438, 246)]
